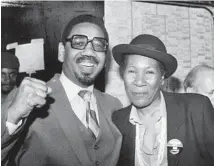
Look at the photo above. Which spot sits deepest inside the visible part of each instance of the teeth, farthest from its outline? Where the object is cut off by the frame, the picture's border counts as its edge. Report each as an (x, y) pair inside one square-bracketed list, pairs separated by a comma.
[(87, 64)]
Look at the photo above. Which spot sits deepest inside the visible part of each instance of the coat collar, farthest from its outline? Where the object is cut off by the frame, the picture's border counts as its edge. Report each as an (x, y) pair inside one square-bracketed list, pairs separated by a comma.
[(102, 106), (129, 132), (175, 118), (175, 115), (64, 115), (63, 111)]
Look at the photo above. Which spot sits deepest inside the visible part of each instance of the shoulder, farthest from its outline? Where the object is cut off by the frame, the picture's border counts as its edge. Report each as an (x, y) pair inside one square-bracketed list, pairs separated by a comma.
[(121, 117), (56, 86), (109, 100), (104, 95), (53, 80), (186, 97), (121, 114), (190, 101)]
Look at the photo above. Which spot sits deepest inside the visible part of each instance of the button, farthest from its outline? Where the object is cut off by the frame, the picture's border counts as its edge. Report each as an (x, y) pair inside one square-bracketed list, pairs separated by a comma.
[(97, 163), (96, 147)]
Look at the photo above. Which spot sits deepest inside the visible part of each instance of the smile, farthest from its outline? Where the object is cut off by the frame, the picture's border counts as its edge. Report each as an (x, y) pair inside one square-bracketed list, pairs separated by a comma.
[(139, 94), (87, 64)]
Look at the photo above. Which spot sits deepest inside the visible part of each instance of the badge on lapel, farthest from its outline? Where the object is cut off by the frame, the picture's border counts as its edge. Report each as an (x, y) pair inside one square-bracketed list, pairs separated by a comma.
[(175, 146)]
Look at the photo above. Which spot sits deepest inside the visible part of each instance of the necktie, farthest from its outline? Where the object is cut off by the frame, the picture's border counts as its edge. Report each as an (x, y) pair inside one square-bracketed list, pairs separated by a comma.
[(91, 118)]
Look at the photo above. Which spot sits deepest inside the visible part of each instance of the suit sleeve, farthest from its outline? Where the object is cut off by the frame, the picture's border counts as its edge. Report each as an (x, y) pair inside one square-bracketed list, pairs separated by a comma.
[(208, 128), (7, 140)]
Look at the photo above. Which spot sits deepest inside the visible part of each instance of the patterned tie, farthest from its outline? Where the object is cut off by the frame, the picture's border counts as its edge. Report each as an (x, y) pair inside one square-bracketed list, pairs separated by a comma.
[(91, 118)]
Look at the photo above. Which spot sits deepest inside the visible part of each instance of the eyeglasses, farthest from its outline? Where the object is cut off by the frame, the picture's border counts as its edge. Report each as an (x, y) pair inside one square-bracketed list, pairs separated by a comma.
[(81, 41)]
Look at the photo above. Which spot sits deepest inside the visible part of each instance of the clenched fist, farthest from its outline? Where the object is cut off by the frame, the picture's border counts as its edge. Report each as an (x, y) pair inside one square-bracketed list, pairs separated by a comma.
[(31, 93)]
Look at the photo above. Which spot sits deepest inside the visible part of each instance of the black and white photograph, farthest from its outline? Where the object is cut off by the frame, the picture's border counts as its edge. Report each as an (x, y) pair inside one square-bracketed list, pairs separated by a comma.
[(107, 83)]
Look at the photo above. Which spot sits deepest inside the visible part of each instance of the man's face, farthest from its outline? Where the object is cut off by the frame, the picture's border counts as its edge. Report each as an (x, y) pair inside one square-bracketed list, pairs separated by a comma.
[(8, 79), (142, 79), (83, 66), (205, 85)]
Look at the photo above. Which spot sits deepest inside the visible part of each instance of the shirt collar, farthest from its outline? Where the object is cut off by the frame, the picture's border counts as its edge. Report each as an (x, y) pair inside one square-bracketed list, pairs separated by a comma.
[(72, 89), (134, 118)]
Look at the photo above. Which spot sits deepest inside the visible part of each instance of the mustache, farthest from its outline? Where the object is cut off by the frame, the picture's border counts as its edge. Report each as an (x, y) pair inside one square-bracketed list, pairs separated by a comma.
[(89, 58)]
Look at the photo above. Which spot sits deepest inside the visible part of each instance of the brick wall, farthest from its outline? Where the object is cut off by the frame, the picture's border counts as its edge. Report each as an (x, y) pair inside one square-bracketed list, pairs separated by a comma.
[(188, 34)]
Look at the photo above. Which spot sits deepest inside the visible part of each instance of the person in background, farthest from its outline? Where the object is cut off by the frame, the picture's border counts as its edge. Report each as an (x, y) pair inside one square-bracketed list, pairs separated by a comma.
[(9, 72), (160, 128), (171, 84), (201, 80), (74, 127)]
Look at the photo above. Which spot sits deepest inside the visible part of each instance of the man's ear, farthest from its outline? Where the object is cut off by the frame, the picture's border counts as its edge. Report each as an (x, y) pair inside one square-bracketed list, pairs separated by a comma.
[(61, 52)]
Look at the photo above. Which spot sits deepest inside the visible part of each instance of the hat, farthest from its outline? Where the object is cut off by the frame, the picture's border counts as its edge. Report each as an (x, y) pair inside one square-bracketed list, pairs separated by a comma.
[(149, 46), (9, 60)]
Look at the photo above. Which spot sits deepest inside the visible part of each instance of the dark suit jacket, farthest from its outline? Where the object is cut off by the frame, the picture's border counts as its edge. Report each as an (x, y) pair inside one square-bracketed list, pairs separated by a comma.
[(50, 136), (190, 119)]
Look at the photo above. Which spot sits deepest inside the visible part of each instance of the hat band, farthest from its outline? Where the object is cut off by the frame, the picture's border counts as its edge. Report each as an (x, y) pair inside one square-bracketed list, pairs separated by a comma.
[(149, 47)]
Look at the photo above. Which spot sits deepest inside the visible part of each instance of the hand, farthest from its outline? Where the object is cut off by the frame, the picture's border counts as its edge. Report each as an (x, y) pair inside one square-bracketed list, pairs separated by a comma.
[(31, 93)]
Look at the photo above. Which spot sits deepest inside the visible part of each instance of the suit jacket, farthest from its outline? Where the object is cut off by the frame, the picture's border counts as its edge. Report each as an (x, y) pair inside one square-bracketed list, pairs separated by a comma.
[(190, 119), (50, 136)]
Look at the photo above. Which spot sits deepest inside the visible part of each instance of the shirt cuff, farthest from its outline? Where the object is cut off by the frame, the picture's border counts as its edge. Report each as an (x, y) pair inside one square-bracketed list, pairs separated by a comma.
[(12, 127)]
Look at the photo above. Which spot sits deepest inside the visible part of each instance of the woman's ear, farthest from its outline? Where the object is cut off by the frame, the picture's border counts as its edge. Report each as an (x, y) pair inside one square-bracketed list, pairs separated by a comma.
[(61, 52)]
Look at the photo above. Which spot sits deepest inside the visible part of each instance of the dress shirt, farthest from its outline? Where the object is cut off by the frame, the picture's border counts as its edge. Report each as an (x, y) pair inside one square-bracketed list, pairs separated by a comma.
[(12, 127), (76, 102), (146, 159)]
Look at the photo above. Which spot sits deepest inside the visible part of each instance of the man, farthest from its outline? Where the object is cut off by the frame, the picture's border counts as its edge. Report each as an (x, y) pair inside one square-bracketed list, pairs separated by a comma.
[(74, 128), (156, 121), (9, 72), (201, 80), (171, 84)]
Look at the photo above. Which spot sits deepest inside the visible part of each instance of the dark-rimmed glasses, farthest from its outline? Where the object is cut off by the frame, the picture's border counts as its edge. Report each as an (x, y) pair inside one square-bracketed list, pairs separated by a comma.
[(81, 41)]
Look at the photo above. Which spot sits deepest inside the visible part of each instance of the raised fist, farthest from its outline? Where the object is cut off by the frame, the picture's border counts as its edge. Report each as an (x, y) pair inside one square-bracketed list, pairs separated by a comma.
[(31, 93)]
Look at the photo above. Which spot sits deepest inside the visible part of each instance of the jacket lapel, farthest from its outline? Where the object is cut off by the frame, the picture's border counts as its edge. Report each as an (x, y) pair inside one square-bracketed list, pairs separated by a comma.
[(127, 154), (66, 119), (103, 105), (129, 138), (175, 118), (103, 108)]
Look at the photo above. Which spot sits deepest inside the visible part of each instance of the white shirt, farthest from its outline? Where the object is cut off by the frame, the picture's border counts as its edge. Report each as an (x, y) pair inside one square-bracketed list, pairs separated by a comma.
[(77, 103), (159, 154), (12, 127)]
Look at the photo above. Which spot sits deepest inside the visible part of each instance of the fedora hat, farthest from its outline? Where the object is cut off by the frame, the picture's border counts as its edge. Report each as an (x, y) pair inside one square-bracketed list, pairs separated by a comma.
[(149, 46)]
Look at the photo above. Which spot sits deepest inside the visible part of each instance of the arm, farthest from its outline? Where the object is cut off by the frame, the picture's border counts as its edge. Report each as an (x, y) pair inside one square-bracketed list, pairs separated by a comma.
[(8, 140), (31, 94), (202, 115), (208, 130)]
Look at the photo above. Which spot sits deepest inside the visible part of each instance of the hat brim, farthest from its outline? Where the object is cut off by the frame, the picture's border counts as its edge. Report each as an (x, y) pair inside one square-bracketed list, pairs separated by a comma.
[(168, 60)]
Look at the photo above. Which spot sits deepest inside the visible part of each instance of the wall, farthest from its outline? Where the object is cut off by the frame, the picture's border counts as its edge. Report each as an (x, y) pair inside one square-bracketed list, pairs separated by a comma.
[(22, 21), (186, 32)]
